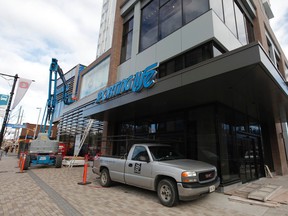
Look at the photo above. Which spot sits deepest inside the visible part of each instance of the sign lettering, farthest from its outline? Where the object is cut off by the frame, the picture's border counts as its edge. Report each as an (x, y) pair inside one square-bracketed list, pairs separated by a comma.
[(134, 83)]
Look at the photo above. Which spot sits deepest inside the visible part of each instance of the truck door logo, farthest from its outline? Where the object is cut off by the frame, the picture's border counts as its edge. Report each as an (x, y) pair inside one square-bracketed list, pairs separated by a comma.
[(137, 168)]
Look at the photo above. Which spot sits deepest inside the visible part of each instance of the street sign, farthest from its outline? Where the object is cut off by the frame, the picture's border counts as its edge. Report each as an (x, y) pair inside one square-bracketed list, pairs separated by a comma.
[(16, 125)]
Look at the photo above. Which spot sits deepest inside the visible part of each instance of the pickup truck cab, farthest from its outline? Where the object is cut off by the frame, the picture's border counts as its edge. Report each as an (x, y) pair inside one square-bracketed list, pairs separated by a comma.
[(159, 168)]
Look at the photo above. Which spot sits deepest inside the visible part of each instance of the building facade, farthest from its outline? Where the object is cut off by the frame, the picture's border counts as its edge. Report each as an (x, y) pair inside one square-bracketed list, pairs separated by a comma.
[(72, 78), (206, 76), (106, 27)]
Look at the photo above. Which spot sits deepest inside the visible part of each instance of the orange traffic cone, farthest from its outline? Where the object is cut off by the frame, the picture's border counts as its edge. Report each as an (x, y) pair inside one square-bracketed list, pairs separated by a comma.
[(84, 182)]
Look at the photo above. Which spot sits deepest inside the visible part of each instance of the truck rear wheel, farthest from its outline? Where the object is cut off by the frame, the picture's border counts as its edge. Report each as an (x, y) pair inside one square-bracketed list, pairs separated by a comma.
[(167, 192), (27, 162), (58, 161), (105, 180)]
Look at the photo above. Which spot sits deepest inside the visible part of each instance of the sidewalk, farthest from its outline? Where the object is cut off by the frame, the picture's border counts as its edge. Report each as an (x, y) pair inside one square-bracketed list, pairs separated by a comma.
[(51, 191)]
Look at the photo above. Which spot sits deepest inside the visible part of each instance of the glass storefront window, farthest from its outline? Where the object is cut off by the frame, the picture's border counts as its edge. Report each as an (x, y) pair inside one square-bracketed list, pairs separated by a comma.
[(216, 134), (217, 6), (229, 15), (170, 17), (127, 41), (241, 26), (159, 18), (95, 79), (149, 25), (193, 9), (216, 51), (202, 121), (190, 58)]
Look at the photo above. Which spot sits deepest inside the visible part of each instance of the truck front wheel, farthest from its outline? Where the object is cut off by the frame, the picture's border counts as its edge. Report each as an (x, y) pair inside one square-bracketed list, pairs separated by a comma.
[(105, 180), (167, 192)]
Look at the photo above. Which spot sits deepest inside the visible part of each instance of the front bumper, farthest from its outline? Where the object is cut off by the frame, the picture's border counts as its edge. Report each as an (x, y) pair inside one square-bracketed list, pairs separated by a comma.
[(192, 192)]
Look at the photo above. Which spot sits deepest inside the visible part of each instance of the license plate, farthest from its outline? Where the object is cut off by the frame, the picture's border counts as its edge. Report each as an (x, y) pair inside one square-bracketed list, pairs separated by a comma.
[(42, 158), (211, 188)]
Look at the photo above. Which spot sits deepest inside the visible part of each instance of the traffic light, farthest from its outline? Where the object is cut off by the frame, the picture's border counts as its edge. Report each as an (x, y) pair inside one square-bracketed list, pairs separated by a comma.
[(54, 65)]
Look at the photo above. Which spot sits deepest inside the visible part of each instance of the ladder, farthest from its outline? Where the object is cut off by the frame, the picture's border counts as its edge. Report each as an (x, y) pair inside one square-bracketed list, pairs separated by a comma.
[(85, 134)]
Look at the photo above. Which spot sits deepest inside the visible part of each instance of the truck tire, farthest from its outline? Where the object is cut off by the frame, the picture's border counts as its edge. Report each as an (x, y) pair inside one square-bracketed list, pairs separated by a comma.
[(58, 161), (105, 180), (167, 192), (27, 162)]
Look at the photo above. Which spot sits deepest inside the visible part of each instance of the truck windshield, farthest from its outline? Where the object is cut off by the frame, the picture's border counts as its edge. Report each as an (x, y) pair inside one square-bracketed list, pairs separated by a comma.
[(161, 153)]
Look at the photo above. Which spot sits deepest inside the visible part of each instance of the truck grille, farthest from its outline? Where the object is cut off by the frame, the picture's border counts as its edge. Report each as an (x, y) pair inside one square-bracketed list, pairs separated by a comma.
[(206, 176)]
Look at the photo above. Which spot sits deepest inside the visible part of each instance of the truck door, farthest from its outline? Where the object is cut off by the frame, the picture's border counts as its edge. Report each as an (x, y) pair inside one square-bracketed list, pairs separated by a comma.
[(138, 169)]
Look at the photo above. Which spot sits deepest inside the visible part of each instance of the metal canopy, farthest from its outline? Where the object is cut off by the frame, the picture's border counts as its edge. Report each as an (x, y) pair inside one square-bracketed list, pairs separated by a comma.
[(244, 79)]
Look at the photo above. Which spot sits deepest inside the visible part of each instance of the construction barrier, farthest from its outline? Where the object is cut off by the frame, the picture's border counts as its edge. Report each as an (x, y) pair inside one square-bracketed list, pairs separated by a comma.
[(23, 163), (84, 182)]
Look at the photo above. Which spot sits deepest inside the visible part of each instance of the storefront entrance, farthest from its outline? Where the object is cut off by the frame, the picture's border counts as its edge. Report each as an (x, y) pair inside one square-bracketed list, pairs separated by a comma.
[(214, 133), (250, 157)]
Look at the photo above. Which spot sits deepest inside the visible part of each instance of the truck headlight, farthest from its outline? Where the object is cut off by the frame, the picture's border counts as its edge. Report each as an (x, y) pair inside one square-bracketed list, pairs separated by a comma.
[(188, 177)]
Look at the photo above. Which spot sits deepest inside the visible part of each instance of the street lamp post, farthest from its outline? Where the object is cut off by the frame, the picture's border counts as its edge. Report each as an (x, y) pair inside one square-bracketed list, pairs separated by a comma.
[(8, 107), (37, 122)]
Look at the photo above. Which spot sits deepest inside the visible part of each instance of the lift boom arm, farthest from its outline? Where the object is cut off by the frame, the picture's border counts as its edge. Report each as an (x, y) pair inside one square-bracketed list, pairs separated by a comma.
[(52, 97)]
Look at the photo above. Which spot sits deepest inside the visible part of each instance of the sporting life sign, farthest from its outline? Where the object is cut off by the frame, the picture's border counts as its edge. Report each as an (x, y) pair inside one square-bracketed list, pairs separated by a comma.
[(134, 83)]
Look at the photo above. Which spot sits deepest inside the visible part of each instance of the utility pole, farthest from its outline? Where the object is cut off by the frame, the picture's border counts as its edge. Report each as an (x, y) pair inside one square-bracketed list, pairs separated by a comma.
[(8, 107)]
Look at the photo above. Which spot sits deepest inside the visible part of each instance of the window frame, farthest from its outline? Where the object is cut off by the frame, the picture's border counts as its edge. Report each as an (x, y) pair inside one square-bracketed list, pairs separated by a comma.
[(125, 39)]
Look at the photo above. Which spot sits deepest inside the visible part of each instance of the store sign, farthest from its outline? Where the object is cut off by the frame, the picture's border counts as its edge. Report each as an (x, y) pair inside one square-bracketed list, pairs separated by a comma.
[(134, 83)]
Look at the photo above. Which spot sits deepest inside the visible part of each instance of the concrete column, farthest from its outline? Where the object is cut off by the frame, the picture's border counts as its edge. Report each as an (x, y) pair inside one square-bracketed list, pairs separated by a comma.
[(278, 144)]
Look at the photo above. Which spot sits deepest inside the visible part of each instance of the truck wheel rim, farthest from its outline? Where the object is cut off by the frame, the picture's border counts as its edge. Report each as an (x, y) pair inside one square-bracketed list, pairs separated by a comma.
[(104, 178), (165, 193)]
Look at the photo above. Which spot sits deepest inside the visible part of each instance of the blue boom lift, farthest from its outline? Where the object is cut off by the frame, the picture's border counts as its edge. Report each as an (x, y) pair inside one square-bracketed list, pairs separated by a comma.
[(43, 150)]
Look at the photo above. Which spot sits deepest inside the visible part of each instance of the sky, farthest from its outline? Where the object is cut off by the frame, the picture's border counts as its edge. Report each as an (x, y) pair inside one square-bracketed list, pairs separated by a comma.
[(32, 32)]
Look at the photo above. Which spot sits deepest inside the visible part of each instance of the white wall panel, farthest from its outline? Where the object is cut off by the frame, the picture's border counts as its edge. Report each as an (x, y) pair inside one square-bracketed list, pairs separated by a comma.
[(223, 34), (197, 31), (202, 29), (169, 46)]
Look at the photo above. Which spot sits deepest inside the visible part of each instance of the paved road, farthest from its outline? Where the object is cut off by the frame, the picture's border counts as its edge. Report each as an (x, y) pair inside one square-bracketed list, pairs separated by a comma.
[(51, 191)]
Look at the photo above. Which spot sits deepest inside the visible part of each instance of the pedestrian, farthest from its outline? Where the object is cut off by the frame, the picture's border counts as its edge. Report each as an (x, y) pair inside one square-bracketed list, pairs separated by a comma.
[(1, 152), (6, 150)]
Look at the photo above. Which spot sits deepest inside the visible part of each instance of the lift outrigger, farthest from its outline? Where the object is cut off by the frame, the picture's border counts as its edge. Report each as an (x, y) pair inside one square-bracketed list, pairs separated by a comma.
[(43, 150)]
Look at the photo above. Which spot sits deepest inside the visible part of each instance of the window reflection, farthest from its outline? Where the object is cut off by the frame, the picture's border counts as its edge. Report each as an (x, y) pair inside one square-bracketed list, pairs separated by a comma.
[(170, 17), (127, 40), (241, 27), (190, 58), (218, 8), (149, 25), (193, 9), (229, 15)]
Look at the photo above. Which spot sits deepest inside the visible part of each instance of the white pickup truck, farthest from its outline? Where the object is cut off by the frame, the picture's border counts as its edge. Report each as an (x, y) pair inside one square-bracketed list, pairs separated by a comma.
[(159, 168)]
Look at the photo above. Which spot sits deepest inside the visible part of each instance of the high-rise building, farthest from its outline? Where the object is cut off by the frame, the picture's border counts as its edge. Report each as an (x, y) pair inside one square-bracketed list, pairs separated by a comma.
[(106, 26), (206, 76)]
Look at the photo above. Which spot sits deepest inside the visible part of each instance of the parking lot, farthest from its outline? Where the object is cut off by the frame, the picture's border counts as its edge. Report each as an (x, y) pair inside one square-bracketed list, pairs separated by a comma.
[(51, 191)]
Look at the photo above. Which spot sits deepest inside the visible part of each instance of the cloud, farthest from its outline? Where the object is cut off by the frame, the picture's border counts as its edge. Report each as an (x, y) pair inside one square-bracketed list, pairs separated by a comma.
[(33, 32), (279, 23)]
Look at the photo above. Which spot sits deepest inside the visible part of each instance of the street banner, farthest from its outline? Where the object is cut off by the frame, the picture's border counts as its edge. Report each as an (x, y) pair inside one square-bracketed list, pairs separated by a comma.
[(22, 88), (3, 104), (77, 144)]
